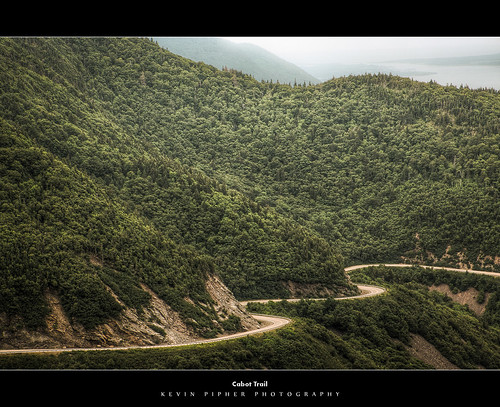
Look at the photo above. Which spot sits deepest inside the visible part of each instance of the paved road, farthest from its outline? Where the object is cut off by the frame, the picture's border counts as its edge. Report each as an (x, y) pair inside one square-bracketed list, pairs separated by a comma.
[(366, 291), (362, 266), (268, 322)]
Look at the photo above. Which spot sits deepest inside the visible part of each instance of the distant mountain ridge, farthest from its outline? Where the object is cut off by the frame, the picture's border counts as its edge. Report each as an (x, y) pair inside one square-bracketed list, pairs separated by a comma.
[(247, 58)]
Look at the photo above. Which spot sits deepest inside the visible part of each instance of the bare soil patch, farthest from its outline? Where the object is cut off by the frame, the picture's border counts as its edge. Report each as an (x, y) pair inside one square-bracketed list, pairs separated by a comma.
[(426, 352), (468, 297)]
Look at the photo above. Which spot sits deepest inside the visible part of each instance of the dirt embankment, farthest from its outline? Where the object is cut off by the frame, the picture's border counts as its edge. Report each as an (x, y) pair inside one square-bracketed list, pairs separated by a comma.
[(423, 350), (157, 324), (426, 352), (469, 297)]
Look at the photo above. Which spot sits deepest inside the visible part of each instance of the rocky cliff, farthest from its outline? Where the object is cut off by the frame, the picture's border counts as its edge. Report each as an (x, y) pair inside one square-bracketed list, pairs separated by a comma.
[(156, 324)]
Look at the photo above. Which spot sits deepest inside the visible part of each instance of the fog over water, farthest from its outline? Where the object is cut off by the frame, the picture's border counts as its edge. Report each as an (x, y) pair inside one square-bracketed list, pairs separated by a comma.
[(327, 57), (473, 76)]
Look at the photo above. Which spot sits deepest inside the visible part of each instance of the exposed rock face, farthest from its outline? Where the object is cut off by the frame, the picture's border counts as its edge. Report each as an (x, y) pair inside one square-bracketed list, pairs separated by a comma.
[(157, 324), (468, 297), (426, 352), (226, 303)]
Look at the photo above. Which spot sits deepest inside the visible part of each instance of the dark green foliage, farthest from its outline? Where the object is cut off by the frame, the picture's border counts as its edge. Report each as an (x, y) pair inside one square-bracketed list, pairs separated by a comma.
[(89, 203), (126, 288), (85, 299), (122, 163), (55, 221), (458, 282), (366, 161), (304, 345), (231, 324), (376, 324), (371, 333)]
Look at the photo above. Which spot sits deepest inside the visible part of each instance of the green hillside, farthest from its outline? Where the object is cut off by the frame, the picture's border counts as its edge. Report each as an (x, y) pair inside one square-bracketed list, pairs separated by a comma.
[(409, 327), (92, 208), (125, 165), (380, 166), (63, 231)]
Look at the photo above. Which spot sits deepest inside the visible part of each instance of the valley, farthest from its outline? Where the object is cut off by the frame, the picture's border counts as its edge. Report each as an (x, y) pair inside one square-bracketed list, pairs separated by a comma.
[(150, 201)]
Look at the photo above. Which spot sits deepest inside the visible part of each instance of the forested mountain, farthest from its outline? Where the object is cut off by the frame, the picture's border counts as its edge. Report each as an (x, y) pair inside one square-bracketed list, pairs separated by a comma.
[(130, 173), (99, 218), (380, 166), (247, 58)]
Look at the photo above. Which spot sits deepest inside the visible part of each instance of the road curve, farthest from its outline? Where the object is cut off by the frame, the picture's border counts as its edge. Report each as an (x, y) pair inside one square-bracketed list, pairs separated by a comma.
[(366, 291), (268, 322), (362, 266)]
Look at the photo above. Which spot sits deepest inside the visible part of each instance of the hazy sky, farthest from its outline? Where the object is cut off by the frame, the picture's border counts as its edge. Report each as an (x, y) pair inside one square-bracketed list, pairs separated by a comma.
[(302, 50)]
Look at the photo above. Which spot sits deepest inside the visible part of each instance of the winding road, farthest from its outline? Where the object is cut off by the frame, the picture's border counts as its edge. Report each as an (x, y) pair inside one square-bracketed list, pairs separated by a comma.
[(268, 322)]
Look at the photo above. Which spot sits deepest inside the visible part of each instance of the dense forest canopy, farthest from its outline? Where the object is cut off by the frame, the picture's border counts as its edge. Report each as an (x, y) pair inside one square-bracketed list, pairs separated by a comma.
[(90, 205), (165, 170), (378, 165)]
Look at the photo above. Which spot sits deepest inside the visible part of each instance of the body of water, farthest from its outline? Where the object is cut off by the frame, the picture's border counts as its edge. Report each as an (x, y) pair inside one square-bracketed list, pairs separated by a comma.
[(473, 76)]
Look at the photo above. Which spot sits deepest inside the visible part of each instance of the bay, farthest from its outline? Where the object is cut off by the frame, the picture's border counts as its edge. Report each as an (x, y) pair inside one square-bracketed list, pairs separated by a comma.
[(473, 76)]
